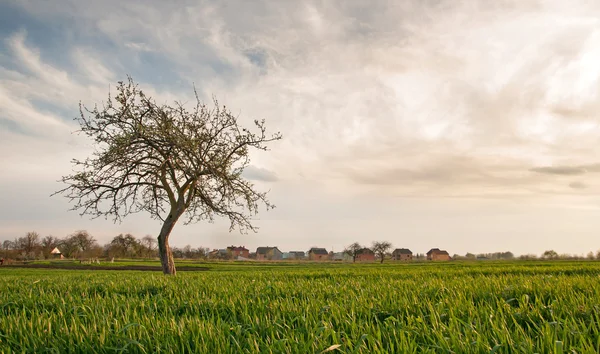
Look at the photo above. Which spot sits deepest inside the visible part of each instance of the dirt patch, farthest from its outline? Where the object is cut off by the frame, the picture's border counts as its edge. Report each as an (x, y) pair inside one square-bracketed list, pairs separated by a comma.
[(100, 267)]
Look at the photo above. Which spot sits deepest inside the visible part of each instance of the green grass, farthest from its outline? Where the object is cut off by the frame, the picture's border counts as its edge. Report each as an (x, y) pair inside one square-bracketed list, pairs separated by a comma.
[(501, 307)]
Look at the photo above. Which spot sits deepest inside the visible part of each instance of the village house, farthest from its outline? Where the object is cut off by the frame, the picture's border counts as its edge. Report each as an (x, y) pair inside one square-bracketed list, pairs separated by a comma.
[(318, 254), (342, 257), (435, 254), (365, 255), (296, 255), (56, 253), (402, 254), (268, 254), (240, 251)]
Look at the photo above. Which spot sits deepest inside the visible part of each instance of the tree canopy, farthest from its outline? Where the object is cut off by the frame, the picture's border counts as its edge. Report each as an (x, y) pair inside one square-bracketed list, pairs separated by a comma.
[(381, 248), (167, 161)]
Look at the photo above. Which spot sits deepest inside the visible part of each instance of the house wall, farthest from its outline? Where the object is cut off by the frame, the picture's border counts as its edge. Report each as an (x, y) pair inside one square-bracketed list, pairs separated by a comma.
[(439, 257), (296, 256), (405, 257), (318, 257), (243, 253), (261, 257), (276, 255), (365, 257)]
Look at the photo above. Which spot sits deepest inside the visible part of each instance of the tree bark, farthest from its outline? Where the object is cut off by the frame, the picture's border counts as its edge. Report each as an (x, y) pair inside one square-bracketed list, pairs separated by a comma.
[(164, 250)]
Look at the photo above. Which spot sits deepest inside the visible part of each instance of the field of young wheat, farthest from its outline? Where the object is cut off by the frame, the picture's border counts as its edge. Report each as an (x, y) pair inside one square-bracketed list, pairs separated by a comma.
[(419, 308)]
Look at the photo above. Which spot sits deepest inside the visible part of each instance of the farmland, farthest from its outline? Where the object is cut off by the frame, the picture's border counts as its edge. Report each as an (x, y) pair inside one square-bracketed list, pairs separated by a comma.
[(479, 307)]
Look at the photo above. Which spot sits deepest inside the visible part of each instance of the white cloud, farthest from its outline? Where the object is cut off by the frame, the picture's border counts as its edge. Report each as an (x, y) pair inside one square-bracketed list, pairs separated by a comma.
[(452, 99)]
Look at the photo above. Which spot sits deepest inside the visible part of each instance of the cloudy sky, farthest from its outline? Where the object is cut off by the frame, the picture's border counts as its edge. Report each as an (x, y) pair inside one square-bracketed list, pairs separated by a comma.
[(466, 125)]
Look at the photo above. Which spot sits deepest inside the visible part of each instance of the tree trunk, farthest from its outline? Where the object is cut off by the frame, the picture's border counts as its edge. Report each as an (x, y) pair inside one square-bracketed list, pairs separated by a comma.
[(166, 256), (382, 258)]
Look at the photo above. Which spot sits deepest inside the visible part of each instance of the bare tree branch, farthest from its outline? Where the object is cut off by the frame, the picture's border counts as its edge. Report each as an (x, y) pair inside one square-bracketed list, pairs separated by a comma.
[(167, 161)]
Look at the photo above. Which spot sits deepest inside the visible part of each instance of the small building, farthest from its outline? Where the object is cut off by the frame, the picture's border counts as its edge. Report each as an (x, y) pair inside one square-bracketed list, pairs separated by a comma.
[(268, 254), (365, 255), (296, 255), (402, 254), (240, 251), (318, 254), (342, 257), (435, 254), (56, 253)]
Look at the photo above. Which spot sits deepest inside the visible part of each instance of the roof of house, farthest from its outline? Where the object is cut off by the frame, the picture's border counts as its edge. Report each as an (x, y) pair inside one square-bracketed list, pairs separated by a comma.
[(237, 248), (317, 250), (55, 251), (265, 250), (364, 251), (437, 251), (402, 251), (297, 253)]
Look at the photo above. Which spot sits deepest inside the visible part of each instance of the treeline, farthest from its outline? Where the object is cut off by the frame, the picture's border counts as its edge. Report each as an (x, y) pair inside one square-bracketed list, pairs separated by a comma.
[(82, 245), (493, 256), (547, 255)]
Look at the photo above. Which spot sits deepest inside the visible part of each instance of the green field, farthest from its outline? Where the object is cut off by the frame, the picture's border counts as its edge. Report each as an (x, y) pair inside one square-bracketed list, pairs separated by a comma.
[(455, 307)]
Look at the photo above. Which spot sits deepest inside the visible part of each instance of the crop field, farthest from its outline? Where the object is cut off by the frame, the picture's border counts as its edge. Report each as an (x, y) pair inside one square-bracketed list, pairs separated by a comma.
[(479, 307)]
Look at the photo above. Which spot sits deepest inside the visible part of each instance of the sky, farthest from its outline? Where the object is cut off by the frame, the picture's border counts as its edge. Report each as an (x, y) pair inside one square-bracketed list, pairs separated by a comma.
[(466, 125)]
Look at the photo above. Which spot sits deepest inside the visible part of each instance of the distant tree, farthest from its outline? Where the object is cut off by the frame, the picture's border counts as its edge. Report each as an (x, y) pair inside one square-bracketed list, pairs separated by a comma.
[(352, 250), (124, 246), (8, 249), (550, 254), (470, 256), (381, 248), (590, 256), (188, 252), (68, 248), (203, 252), (178, 252), (530, 256), (167, 161), (8, 245), (29, 244), (83, 240), (598, 255), (79, 244), (149, 245)]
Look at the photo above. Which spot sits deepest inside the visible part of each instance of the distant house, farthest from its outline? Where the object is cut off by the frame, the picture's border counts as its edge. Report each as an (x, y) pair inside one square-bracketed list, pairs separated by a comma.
[(341, 257), (56, 253), (435, 254), (365, 255), (268, 254), (402, 254), (296, 255), (318, 254), (240, 251)]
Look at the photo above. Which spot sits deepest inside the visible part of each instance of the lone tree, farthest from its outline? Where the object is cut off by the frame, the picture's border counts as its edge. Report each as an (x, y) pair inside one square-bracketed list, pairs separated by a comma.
[(352, 250), (381, 248), (167, 161)]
